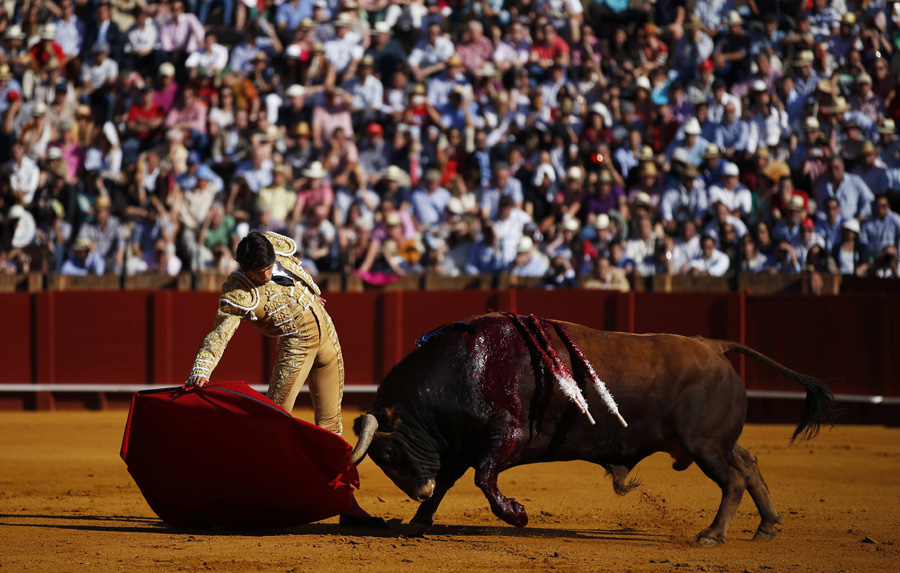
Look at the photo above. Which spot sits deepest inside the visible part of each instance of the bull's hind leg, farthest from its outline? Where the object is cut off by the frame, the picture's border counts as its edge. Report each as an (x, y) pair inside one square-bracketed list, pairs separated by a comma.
[(759, 491), (723, 469)]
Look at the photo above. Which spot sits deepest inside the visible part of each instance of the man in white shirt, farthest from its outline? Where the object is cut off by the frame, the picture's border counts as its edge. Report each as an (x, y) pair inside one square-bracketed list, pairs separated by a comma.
[(508, 226), (345, 50), (140, 41), (731, 192), (212, 56), (710, 262), (720, 99), (69, 30), (430, 54), (24, 174), (98, 82)]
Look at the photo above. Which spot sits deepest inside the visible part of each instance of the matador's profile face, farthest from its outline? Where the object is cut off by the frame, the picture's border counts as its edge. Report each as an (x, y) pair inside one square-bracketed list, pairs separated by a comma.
[(261, 276)]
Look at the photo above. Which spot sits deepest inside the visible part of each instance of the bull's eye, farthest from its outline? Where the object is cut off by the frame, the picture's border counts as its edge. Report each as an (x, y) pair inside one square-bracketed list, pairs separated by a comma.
[(387, 454)]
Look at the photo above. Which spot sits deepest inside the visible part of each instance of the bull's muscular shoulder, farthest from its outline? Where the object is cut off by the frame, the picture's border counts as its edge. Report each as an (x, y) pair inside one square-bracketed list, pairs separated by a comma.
[(239, 292), (284, 246)]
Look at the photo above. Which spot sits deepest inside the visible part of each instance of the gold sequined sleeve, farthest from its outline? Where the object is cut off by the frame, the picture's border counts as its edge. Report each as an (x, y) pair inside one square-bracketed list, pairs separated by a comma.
[(227, 321)]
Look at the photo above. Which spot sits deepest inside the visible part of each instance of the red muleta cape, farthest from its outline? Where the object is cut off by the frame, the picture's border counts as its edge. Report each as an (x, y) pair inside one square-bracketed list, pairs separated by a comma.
[(225, 455)]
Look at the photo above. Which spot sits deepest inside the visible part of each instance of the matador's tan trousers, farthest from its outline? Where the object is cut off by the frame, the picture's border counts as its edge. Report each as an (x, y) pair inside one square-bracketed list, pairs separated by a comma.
[(314, 354)]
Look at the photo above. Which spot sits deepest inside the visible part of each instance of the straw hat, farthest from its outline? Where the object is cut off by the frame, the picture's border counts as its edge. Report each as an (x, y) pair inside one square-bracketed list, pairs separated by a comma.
[(14, 32), (692, 127), (805, 58), (887, 125), (5, 72), (315, 171), (712, 152)]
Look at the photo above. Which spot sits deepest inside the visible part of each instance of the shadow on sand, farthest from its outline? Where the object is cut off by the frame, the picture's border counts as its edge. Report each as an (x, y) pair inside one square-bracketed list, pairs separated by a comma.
[(133, 524)]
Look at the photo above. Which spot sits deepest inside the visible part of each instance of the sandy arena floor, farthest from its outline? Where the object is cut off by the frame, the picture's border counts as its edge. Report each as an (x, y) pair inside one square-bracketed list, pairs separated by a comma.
[(67, 502)]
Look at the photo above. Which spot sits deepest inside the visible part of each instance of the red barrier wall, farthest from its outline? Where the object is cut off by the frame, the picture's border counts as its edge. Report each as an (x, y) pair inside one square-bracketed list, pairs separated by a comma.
[(150, 337)]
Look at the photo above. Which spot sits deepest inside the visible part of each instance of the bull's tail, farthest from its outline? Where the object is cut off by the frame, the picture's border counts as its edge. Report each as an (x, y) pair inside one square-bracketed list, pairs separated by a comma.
[(819, 405)]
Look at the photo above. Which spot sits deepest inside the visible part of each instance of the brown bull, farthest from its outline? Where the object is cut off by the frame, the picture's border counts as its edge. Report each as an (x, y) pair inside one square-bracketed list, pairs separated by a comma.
[(486, 393)]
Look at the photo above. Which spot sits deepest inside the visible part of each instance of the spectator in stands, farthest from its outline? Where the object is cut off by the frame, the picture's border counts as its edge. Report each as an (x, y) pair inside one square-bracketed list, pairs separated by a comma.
[(882, 229), (84, 259), (710, 261)]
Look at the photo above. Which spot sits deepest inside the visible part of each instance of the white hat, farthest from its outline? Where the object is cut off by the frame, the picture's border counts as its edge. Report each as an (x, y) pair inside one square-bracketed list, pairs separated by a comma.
[(811, 124), (759, 86), (574, 172), (571, 224), (16, 212), (641, 198), (295, 90), (603, 111), (40, 108), (525, 245), (54, 153), (796, 203), (394, 173), (731, 170), (342, 21), (851, 225), (175, 134), (734, 18), (692, 127), (680, 155), (14, 32), (643, 83), (167, 69), (315, 171), (602, 221), (887, 126), (48, 32), (455, 206), (382, 28)]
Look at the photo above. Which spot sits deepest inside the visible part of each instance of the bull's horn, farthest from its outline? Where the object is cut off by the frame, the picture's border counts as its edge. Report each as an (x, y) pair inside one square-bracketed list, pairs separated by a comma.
[(369, 425)]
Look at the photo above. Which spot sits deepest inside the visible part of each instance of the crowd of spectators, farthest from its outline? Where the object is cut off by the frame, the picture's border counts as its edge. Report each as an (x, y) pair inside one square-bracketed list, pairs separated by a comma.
[(578, 142)]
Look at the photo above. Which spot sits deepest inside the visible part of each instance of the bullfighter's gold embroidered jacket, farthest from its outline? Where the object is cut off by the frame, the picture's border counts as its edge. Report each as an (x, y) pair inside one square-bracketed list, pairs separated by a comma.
[(274, 309)]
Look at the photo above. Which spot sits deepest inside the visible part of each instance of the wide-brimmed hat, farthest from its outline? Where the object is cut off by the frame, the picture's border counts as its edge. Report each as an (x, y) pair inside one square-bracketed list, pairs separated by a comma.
[(574, 173), (887, 125), (851, 225), (796, 203), (840, 105), (648, 169), (5, 73), (526, 244), (689, 170), (731, 170), (315, 171), (102, 202), (693, 23), (811, 124), (825, 86), (692, 127), (14, 32), (712, 152), (804, 58), (167, 70), (48, 32), (602, 221), (454, 60), (394, 173), (605, 176), (296, 90), (734, 18), (641, 199)]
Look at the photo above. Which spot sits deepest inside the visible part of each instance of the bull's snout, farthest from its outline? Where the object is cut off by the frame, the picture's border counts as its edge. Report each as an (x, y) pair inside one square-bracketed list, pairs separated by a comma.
[(424, 492)]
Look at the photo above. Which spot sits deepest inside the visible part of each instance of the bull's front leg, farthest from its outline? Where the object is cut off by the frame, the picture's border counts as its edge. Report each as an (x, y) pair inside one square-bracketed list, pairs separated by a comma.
[(495, 461), (424, 517)]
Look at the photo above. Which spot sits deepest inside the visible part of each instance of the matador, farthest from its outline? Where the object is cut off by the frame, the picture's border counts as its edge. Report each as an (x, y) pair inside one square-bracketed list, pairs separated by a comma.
[(273, 292)]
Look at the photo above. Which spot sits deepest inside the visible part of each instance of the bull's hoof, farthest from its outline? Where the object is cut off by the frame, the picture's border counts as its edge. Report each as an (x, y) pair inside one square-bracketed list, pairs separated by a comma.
[(761, 535), (710, 541), (514, 514), (416, 529)]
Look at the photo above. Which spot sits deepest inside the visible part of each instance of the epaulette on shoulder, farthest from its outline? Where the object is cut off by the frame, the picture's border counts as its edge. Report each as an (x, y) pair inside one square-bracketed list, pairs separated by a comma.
[(239, 292), (284, 246)]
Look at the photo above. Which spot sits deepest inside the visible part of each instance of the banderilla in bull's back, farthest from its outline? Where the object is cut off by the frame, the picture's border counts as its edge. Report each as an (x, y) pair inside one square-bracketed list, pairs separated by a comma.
[(503, 390)]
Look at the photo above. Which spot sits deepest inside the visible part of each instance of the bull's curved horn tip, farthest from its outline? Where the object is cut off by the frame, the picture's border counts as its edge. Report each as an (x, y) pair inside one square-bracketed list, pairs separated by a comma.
[(369, 426)]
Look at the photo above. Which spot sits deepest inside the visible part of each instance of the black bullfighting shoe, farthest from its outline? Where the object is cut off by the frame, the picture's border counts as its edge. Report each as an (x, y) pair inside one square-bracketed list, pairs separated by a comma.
[(348, 520)]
